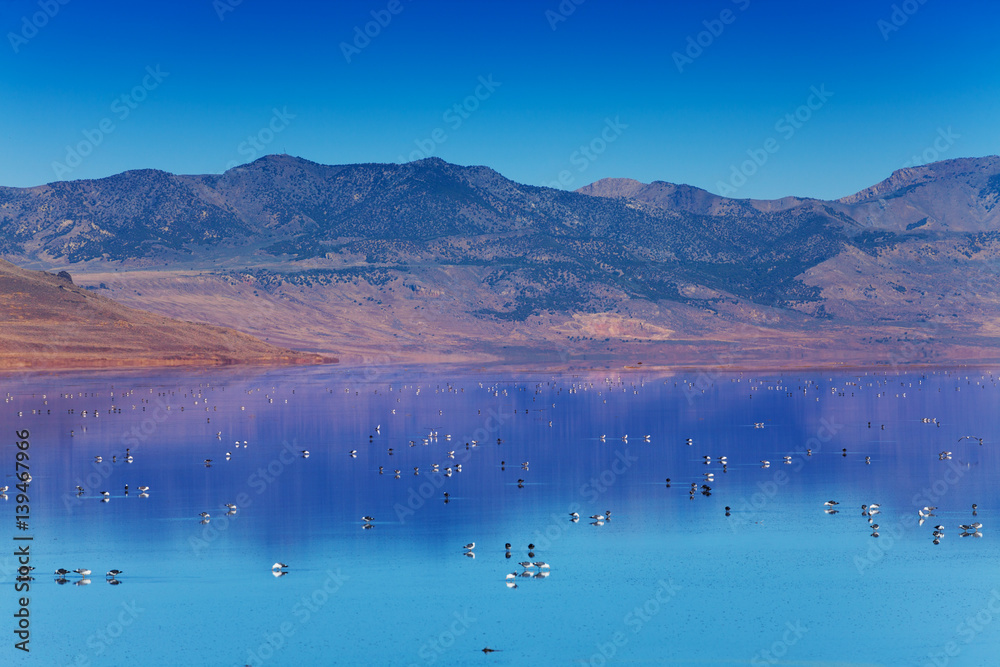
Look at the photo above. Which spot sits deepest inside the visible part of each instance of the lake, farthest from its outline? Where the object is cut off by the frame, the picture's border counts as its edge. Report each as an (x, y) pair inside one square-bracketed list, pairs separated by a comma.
[(669, 577)]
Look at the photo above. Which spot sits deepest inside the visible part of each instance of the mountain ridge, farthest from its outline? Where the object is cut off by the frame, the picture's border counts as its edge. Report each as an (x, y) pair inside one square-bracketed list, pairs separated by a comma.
[(434, 260)]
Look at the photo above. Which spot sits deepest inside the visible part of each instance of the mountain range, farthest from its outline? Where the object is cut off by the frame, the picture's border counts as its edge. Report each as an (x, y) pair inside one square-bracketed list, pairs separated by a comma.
[(431, 261)]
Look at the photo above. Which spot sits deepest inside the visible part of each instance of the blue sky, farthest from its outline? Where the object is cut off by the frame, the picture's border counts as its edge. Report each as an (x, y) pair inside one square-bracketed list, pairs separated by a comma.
[(548, 93)]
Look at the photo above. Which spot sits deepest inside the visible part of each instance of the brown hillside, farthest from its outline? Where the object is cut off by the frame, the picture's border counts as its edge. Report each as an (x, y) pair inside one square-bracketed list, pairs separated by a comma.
[(48, 322)]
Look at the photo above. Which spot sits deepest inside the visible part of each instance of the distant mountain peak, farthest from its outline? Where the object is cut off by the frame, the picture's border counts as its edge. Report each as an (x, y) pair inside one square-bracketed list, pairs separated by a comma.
[(613, 187), (908, 177), (432, 161)]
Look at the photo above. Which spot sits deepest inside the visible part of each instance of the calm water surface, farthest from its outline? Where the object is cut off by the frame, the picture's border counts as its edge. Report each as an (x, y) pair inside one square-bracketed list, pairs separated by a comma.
[(668, 579)]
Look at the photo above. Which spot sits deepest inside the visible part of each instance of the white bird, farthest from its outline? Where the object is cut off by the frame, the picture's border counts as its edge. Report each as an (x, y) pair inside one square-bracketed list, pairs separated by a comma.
[(470, 546), (82, 572), (279, 566)]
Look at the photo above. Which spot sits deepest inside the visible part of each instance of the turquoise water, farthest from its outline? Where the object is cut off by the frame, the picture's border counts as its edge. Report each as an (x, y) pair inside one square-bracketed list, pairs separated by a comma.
[(669, 579)]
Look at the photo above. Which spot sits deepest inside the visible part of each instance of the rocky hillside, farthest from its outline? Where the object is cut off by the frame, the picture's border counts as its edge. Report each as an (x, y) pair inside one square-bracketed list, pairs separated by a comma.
[(48, 322), (431, 260)]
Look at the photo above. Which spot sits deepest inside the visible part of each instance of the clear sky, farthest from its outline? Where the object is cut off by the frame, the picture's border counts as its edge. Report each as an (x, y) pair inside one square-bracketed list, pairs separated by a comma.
[(686, 92)]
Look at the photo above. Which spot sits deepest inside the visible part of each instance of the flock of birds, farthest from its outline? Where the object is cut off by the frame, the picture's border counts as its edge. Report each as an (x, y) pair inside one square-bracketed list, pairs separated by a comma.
[(447, 467), (870, 511), (62, 574), (529, 568), (230, 511)]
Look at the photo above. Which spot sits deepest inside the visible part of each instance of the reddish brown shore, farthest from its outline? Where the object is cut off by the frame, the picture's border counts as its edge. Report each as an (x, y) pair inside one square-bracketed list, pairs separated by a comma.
[(47, 322)]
